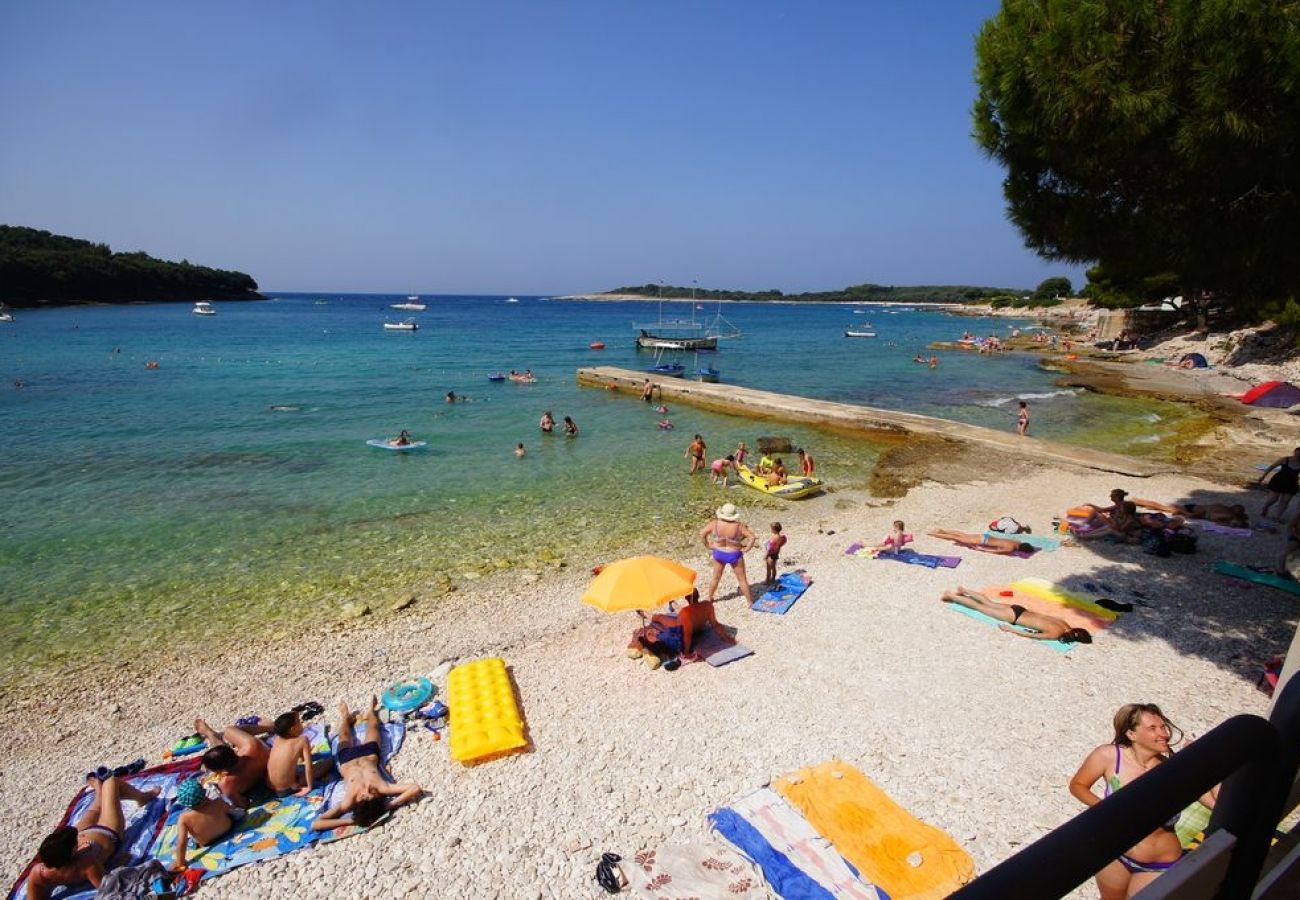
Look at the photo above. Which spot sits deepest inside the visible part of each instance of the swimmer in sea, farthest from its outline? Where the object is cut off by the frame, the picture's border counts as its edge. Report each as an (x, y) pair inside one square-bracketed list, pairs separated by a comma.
[(546, 422), (402, 440), (519, 450), (570, 427), (451, 397)]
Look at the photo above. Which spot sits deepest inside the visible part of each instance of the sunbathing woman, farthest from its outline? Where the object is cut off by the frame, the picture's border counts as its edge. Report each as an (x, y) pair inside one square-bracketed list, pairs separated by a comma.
[(1142, 742), (78, 853), (1044, 628), (1233, 515), (981, 542)]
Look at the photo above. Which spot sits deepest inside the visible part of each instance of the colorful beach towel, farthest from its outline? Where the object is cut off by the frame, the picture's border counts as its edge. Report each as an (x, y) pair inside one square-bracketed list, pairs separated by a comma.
[(691, 870), (1245, 573), (1037, 541), (779, 598), (1059, 646), (142, 822), (874, 834), (908, 556), (274, 825), (1078, 618), (796, 861), (1041, 587)]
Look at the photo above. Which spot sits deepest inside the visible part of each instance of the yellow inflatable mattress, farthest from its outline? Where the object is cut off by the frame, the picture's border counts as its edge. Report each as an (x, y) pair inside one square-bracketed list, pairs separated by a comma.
[(1041, 587), (484, 717)]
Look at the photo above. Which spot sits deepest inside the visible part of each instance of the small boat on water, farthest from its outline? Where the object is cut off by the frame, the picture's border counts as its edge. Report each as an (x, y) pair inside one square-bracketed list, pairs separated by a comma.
[(394, 445), (597, 345), (6, 317), (497, 376), (795, 486), (512, 299), (523, 377), (407, 325), (858, 333), (707, 374), (668, 369), (203, 308), (412, 303)]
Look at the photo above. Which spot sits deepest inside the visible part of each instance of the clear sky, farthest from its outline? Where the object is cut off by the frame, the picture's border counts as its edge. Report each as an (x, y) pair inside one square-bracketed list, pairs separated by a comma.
[(512, 147)]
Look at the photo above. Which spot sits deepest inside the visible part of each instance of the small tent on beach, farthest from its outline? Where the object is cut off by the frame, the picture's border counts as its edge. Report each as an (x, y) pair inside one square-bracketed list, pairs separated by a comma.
[(1275, 394), (1196, 360)]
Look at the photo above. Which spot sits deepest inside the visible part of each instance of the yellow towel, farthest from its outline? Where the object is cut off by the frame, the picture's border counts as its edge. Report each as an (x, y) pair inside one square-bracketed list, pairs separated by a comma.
[(1041, 587), (875, 834)]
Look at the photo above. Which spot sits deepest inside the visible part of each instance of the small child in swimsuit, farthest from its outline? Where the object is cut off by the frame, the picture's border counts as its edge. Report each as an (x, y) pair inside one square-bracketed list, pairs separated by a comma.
[(895, 540), (774, 545), (741, 451), (204, 821), (720, 468)]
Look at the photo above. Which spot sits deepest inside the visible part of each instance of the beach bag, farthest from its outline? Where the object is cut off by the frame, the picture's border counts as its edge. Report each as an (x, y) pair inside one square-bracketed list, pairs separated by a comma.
[(1008, 525), (1181, 542), (1153, 542)]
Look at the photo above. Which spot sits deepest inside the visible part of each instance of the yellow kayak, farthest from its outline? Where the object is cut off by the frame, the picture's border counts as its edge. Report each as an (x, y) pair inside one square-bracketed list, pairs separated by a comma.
[(795, 486)]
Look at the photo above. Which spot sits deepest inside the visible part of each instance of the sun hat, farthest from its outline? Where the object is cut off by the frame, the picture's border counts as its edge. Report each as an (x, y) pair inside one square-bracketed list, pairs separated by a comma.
[(189, 793), (727, 512)]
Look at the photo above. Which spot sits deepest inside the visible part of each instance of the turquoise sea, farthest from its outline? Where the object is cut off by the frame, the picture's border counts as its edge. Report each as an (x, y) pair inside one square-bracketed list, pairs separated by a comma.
[(231, 487)]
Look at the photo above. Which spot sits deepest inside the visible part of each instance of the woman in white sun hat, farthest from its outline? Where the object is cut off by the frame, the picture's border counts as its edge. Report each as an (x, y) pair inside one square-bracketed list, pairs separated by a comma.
[(727, 538)]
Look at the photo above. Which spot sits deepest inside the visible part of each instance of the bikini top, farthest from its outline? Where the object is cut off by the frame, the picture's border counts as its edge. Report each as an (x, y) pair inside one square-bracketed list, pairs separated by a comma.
[(723, 540)]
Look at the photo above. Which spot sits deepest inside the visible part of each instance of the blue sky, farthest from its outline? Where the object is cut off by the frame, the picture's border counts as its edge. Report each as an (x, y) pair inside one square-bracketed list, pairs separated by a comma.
[(512, 147)]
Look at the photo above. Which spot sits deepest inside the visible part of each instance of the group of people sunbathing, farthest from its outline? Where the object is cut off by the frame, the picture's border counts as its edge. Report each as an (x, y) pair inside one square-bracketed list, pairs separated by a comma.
[(1122, 518), (240, 765)]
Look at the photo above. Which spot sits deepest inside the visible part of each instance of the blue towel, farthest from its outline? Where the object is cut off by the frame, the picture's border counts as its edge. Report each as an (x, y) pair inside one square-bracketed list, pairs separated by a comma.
[(778, 599), (1037, 541), (784, 877), (1059, 646)]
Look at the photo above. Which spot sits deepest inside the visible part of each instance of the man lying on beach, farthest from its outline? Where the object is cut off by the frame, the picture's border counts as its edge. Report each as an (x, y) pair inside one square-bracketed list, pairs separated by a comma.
[(206, 819), (369, 795), (1045, 628), (1233, 515), (289, 767), (78, 853), (981, 542), (238, 756)]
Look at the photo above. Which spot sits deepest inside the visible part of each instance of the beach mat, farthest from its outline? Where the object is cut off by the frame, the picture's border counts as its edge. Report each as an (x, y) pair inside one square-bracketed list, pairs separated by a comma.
[(717, 652), (795, 860), (142, 823), (274, 825), (1059, 646), (1041, 587), (1271, 579), (778, 599), (1078, 618), (874, 834), (692, 870), (1216, 528), (910, 557), (1037, 541)]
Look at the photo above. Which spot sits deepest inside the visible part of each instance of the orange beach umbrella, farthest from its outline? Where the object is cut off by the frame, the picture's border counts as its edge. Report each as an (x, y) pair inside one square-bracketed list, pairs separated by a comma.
[(642, 582)]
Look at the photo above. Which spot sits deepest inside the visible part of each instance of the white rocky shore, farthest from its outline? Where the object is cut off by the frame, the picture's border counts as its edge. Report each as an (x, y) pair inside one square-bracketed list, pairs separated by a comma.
[(970, 729)]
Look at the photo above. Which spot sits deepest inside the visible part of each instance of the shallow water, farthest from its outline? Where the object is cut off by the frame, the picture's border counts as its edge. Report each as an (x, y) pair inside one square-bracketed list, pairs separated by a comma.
[(231, 488)]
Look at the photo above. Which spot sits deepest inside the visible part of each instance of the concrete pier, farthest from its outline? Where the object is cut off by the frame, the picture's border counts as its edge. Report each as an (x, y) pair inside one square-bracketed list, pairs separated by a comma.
[(742, 401)]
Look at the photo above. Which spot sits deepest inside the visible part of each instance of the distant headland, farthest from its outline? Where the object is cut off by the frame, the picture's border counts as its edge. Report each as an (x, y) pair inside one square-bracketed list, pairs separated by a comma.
[(858, 293), (38, 268)]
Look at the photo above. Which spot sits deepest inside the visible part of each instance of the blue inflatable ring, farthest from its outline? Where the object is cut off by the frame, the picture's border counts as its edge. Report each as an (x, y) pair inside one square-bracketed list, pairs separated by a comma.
[(404, 696)]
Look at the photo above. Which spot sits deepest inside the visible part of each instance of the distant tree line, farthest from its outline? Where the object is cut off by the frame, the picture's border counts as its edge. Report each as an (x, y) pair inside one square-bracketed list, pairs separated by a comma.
[(38, 268), (858, 293)]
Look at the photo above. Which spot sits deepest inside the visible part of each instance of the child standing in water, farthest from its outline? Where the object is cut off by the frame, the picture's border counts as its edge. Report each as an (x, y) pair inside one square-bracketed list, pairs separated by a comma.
[(1022, 420), (774, 545), (739, 455)]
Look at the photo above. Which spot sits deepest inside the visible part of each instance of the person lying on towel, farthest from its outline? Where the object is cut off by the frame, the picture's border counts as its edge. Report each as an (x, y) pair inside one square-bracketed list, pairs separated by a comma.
[(982, 542), (673, 634), (84, 851), (1044, 628), (369, 795)]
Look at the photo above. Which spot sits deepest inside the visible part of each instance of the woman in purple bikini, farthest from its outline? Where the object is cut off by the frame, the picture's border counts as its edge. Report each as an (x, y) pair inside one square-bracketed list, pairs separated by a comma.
[(727, 539), (1142, 742)]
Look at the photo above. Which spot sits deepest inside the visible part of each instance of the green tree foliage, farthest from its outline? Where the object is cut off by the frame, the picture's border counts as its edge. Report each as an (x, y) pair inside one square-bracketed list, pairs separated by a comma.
[(1152, 137), (1051, 288), (858, 293), (39, 268)]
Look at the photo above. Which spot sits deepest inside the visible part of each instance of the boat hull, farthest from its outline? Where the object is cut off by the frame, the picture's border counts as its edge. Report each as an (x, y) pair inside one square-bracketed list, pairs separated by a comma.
[(647, 341), (796, 486)]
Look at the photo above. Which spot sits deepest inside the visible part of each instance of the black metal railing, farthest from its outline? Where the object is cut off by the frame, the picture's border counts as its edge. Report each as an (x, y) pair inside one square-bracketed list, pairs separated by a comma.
[(1254, 759)]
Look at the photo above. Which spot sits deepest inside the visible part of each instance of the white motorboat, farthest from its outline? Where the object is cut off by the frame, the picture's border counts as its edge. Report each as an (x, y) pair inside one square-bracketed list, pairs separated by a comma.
[(6, 317), (203, 308), (412, 303), (854, 333), (512, 299), (407, 325)]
